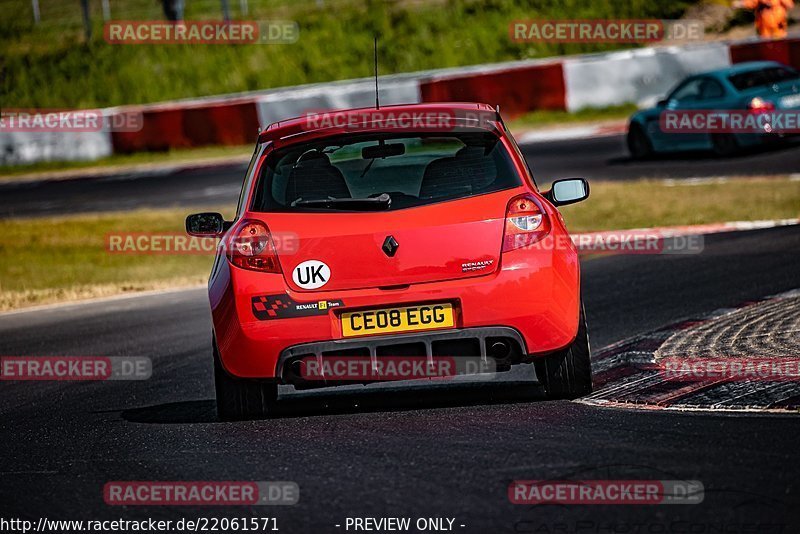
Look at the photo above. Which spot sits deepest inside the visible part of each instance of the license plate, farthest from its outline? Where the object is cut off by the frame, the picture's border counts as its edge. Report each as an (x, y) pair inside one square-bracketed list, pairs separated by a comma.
[(391, 320), (790, 101)]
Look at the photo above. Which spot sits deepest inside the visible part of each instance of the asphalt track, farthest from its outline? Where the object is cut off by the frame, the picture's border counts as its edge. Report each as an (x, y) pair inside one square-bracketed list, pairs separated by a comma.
[(602, 158), (435, 452)]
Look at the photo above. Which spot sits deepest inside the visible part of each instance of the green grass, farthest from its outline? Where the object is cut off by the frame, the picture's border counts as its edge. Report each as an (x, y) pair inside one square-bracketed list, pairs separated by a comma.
[(52, 64), (66, 258)]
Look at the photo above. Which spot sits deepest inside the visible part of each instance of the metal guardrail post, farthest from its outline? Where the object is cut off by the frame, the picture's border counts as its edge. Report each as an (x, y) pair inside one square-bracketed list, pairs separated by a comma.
[(87, 21), (37, 18)]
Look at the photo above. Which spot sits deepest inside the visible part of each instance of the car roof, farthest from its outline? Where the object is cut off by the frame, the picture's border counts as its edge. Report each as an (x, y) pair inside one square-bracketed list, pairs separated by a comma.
[(384, 119), (740, 68)]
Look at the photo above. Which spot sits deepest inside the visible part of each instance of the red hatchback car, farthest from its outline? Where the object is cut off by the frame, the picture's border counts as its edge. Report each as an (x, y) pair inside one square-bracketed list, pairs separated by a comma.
[(405, 231)]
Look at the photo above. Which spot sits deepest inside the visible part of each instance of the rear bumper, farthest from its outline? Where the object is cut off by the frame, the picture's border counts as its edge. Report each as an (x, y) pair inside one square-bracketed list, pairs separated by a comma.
[(534, 293)]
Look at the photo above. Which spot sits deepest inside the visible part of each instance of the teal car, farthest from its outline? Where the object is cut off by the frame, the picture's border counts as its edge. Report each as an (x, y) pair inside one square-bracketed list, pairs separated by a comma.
[(754, 86)]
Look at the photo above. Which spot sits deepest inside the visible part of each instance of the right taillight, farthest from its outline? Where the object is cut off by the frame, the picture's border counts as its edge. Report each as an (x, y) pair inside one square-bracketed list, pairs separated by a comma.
[(249, 246), (526, 222)]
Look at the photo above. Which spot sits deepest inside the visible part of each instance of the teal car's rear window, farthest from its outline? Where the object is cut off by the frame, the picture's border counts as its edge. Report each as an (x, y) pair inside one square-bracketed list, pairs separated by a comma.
[(762, 77)]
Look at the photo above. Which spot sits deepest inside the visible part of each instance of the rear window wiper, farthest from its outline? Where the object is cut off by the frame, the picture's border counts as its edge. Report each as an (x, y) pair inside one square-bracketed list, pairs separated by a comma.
[(381, 202)]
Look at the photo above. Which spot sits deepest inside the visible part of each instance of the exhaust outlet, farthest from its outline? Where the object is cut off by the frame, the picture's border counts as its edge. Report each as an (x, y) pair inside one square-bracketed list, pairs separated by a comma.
[(295, 369), (499, 350)]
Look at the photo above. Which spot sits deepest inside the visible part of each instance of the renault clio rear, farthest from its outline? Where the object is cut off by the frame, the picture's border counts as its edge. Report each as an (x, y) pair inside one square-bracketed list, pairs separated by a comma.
[(414, 231)]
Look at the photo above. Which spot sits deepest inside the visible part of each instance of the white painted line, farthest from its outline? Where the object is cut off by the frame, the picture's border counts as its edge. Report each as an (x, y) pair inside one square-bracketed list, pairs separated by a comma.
[(574, 132), (722, 410), (561, 134)]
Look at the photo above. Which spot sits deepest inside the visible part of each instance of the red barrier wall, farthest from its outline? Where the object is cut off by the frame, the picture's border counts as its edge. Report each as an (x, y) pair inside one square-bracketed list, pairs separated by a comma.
[(786, 51), (176, 127), (517, 91)]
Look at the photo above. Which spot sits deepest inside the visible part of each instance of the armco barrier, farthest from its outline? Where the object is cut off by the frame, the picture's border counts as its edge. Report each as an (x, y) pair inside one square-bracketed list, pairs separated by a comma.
[(786, 51), (19, 148), (641, 76), (176, 126), (516, 90)]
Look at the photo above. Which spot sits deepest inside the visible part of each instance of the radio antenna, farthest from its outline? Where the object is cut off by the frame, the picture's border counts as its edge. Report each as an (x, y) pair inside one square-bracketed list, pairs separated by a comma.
[(375, 51)]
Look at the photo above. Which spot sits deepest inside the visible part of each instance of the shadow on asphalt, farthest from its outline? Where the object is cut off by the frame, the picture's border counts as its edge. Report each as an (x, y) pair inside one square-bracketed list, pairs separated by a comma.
[(356, 400)]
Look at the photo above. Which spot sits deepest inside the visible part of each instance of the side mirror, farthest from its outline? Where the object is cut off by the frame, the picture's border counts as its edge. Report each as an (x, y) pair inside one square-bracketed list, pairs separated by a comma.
[(205, 224), (664, 102), (568, 191)]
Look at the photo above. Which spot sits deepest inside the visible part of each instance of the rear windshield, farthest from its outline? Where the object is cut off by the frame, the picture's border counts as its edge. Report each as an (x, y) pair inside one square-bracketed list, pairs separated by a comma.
[(395, 172), (763, 77)]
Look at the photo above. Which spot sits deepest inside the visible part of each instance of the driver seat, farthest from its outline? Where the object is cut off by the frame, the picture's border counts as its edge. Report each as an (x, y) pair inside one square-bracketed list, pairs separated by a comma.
[(313, 177)]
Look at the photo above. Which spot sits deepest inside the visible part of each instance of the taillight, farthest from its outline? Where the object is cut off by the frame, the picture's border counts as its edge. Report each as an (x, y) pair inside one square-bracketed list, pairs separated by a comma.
[(526, 222), (250, 247), (759, 104)]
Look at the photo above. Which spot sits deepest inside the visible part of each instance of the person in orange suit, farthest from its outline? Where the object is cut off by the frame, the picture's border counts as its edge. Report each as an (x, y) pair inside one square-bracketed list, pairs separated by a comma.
[(771, 16)]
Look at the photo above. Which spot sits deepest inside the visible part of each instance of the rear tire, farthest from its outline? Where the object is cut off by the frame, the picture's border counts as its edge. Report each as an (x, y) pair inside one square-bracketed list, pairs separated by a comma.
[(724, 145), (242, 398), (567, 374), (639, 144)]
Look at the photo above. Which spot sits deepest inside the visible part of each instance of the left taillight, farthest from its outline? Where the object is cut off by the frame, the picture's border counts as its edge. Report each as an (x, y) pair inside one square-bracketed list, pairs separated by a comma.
[(759, 105), (526, 222), (249, 246)]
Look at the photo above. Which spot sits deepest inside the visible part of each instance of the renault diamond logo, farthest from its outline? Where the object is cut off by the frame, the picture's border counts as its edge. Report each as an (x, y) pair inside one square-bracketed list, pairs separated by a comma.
[(390, 246)]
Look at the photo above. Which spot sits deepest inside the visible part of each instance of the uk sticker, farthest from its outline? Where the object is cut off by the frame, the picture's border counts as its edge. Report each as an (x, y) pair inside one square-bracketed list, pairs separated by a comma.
[(311, 274)]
